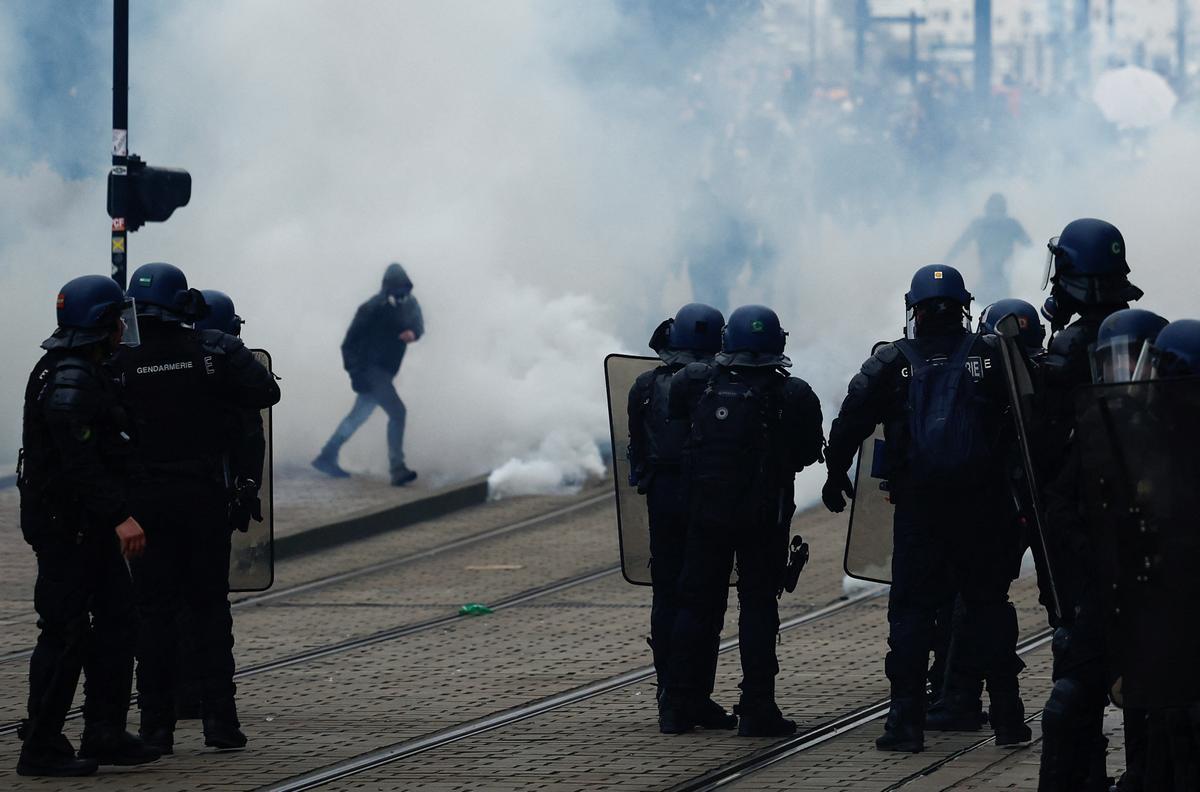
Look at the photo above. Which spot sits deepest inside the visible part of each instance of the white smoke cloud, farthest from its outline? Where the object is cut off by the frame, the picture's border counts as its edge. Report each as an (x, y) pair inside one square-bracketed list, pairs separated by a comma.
[(543, 215)]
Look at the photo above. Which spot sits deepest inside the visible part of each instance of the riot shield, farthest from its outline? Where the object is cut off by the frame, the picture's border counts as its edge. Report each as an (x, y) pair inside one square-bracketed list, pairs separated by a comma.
[(633, 520), (869, 536), (1139, 472), (1020, 395), (252, 555)]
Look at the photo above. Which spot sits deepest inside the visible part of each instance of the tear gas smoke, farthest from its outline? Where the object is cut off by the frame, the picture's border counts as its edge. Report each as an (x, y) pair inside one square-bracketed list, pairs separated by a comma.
[(556, 178)]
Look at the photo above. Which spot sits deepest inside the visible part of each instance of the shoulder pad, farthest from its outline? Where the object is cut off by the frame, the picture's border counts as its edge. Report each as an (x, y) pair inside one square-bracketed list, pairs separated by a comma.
[(74, 372), (218, 343), (696, 371), (796, 389), (1073, 339), (990, 341), (886, 353)]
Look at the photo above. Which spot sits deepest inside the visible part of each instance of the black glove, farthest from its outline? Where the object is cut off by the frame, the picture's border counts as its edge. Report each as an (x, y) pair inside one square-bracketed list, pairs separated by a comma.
[(244, 506), (837, 485)]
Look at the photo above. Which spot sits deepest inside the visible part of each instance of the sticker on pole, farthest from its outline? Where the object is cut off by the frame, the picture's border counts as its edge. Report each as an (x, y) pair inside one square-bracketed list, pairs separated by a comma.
[(120, 146)]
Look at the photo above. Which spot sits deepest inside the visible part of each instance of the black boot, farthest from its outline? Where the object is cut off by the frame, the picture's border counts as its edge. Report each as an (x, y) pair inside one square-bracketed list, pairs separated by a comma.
[(222, 729), (905, 728), (711, 715), (160, 738), (1007, 715), (959, 709), (762, 718), (116, 747), (677, 714), (56, 758)]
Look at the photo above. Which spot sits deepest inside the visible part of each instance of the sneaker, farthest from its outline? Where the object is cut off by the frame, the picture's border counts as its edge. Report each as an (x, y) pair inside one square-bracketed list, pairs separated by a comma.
[(403, 476), (329, 466), (116, 748)]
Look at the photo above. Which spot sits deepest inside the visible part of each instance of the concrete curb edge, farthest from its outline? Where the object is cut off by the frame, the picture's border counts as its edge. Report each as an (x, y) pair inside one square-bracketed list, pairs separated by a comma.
[(354, 527)]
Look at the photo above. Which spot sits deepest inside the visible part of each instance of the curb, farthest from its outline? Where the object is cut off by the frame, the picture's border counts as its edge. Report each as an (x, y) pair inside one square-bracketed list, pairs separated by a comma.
[(364, 525)]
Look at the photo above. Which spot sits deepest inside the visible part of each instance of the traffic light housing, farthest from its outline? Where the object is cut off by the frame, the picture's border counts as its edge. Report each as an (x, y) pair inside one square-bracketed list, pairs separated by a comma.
[(146, 194)]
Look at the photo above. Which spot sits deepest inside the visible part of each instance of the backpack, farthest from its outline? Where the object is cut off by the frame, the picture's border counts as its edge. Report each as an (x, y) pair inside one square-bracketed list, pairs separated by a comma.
[(729, 441), (947, 440)]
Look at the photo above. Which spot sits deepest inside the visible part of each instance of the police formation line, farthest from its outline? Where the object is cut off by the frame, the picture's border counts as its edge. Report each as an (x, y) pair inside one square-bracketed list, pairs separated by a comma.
[(143, 451), (990, 445)]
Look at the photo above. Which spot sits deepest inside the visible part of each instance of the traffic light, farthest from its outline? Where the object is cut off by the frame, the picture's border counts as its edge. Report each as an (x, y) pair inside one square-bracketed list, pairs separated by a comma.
[(140, 193)]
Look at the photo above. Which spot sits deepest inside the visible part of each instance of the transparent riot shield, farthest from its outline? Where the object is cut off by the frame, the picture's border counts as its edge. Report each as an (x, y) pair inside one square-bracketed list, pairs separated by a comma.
[(633, 520), (869, 536), (252, 555), (1140, 485)]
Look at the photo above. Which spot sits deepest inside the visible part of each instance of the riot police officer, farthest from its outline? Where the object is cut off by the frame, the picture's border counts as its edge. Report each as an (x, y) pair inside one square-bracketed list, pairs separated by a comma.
[(949, 492), (655, 455), (1073, 744), (180, 385), (75, 513), (954, 708), (752, 429)]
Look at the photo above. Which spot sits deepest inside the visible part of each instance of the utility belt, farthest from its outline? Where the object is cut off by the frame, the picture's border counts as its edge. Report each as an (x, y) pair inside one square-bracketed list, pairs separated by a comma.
[(196, 470)]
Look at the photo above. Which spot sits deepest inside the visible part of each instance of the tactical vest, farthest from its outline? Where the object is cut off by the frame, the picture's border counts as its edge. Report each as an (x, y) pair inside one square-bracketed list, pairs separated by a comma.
[(729, 449)]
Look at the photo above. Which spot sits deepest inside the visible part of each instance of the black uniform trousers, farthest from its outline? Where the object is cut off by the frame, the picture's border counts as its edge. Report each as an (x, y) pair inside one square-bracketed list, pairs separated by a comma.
[(666, 501), (945, 542), (185, 570), (87, 621), (1073, 743), (717, 534)]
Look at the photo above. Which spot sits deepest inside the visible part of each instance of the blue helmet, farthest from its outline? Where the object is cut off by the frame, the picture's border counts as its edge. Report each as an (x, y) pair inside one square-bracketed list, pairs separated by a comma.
[(1177, 349), (89, 309), (161, 290), (1033, 332), (693, 334), (221, 313), (937, 281), (1119, 343), (753, 337), (1087, 262)]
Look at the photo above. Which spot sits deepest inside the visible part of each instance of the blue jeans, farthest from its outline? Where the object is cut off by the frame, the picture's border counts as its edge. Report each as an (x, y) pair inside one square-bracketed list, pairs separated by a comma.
[(379, 392)]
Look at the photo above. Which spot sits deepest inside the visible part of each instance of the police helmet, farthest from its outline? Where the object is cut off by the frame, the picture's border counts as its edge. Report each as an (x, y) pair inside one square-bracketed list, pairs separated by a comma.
[(693, 334), (161, 290), (1033, 332), (221, 313), (89, 309), (1176, 350), (1119, 343), (753, 337), (937, 281), (1087, 262)]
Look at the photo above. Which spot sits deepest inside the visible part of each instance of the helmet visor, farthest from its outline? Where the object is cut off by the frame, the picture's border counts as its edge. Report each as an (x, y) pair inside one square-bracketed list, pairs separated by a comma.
[(1052, 250), (129, 324), (1117, 360)]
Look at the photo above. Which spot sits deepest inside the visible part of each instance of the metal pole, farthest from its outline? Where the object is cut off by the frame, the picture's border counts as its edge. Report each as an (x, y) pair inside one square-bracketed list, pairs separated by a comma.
[(862, 18), (1181, 23), (120, 133), (983, 50), (1083, 41), (913, 21)]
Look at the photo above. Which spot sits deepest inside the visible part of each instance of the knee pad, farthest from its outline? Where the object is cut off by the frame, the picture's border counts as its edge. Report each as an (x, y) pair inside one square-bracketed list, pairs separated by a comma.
[(1067, 703)]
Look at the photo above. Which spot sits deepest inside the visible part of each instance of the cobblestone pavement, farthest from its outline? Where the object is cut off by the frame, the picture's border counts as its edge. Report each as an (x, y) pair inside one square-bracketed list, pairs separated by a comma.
[(310, 714)]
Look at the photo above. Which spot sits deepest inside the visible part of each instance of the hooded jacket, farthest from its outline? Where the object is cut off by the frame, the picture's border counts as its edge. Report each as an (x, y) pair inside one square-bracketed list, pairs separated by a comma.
[(373, 340)]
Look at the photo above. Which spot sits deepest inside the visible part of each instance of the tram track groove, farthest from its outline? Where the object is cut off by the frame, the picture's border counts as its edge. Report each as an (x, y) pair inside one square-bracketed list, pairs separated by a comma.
[(411, 747), (811, 738), (334, 579)]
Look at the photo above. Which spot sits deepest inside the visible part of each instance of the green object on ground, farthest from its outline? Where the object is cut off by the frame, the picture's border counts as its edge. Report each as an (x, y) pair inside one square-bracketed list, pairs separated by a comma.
[(474, 609)]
